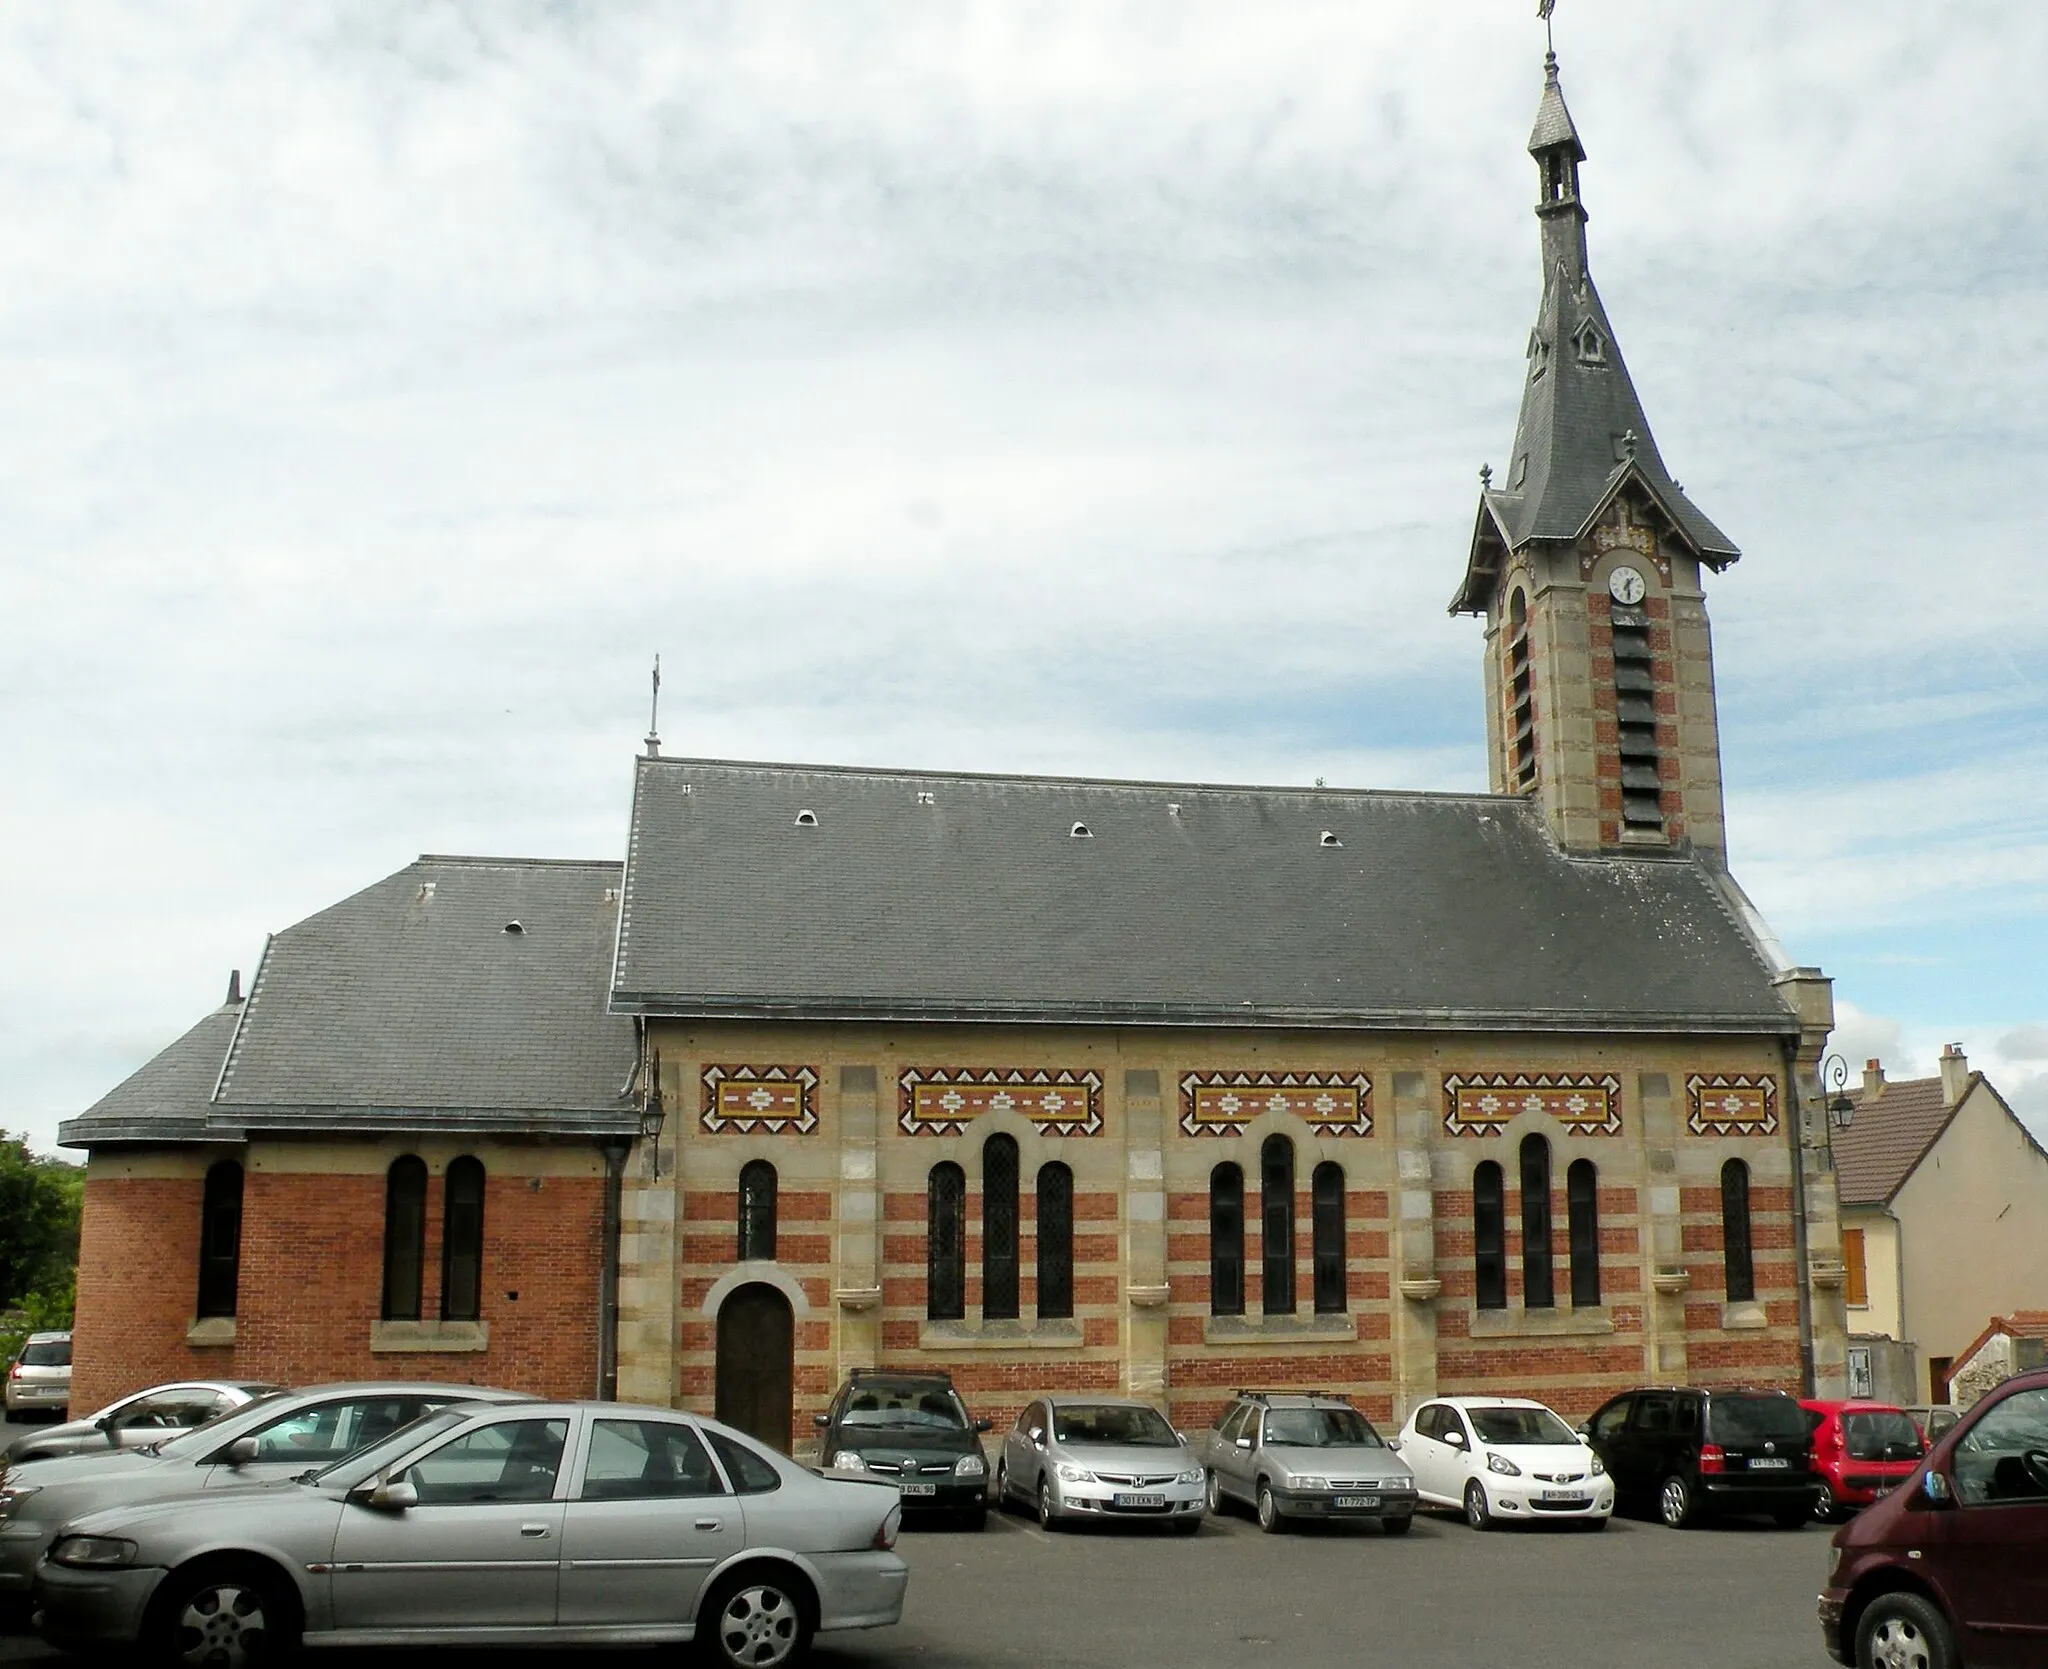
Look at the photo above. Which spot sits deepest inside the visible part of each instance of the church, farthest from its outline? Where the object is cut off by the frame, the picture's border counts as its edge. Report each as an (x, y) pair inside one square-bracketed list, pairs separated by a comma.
[(1056, 1084)]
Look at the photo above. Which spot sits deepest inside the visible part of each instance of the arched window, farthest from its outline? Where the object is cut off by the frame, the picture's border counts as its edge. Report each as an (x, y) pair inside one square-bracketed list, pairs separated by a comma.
[(405, 1237), (1489, 1237), (462, 1241), (999, 1228), (220, 1239), (1226, 1240), (757, 1211), (945, 1247), (1326, 1194), (1582, 1206), (1055, 1241), (1276, 1224), (1736, 1261), (1538, 1290)]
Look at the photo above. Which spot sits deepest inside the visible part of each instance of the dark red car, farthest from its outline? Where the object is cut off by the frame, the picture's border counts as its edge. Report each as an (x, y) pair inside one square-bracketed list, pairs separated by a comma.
[(1861, 1450), (1951, 1567)]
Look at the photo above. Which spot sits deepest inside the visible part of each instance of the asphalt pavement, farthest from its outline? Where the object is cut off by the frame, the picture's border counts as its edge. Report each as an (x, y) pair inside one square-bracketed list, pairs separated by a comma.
[(1637, 1596)]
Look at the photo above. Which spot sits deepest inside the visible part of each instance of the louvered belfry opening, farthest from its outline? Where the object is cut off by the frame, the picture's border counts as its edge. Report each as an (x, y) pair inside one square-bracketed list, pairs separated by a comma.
[(1635, 712), (999, 1229), (1521, 697)]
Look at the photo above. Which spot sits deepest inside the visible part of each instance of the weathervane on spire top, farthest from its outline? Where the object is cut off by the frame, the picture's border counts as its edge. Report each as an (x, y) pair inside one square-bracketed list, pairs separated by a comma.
[(1543, 10)]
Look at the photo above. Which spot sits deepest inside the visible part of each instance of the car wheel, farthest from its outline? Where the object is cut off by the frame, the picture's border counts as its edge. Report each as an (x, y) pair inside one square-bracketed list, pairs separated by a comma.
[(1825, 1506), (1047, 1518), (227, 1617), (1217, 1504), (1477, 1513), (1675, 1503), (758, 1619), (1270, 1520), (1904, 1630), (1397, 1526)]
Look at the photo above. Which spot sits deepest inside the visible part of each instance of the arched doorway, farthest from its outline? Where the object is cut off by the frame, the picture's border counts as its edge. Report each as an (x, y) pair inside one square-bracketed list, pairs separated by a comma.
[(757, 1363)]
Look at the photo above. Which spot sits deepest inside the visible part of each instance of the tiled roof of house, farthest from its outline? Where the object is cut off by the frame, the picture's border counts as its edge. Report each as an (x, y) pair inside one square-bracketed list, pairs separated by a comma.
[(1886, 1138), (910, 895), (2021, 1324), (164, 1099)]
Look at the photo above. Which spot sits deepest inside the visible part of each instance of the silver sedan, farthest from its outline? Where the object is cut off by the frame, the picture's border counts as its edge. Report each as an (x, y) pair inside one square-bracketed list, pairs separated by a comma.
[(140, 1418), (503, 1525), (1100, 1458)]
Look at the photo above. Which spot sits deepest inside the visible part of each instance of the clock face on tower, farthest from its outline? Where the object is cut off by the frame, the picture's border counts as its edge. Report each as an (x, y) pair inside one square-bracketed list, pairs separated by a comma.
[(1625, 585)]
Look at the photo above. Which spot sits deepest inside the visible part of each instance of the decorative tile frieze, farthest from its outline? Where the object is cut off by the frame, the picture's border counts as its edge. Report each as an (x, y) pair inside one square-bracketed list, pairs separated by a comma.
[(1223, 1103), (760, 1100), (1482, 1103), (1731, 1104), (944, 1100)]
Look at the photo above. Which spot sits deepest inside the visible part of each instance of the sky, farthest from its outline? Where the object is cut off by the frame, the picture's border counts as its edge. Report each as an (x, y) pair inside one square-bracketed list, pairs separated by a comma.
[(1095, 388)]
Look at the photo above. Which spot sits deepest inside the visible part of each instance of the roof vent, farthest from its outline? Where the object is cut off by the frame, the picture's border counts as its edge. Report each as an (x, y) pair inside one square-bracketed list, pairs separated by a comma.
[(1330, 838), (611, 895), (426, 891), (807, 819), (1173, 808), (514, 927), (925, 797), (1081, 831)]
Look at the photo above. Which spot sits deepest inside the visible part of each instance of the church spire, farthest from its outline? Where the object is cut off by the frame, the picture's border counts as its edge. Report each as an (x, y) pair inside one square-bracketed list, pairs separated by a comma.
[(1555, 145)]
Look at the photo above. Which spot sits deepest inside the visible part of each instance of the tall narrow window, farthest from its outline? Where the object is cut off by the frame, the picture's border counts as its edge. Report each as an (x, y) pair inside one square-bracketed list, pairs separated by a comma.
[(1055, 1241), (999, 1228), (1735, 1250), (220, 1239), (1538, 1290), (462, 1241), (1489, 1237), (1521, 697), (757, 1211), (405, 1237), (1226, 1240), (945, 1253), (1276, 1224), (1326, 1193), (1582, 1205)]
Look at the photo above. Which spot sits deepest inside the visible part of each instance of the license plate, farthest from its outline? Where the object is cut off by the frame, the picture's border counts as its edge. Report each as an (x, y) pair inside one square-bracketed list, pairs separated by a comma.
[(920, 1489), (1139, 1501), (1354, 1502), (1771, 1464), (1571, 1495)]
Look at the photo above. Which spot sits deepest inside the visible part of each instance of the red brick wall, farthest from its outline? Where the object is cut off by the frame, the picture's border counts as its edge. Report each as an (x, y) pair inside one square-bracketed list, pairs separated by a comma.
[(312, 1283)]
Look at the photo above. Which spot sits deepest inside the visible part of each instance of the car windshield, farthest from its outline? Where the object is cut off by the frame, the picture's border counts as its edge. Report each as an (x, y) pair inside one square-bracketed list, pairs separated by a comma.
[(366, 1464), (1520, 1425), (1757, 1420), (50, 1353), (1112, 1423), (906, 1407), (1880, 1436), (1321, 1428), (203, 1437)]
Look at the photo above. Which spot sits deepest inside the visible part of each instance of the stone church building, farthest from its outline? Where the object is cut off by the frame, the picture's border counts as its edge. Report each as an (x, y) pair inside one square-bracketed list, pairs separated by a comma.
[(1057, 1084)]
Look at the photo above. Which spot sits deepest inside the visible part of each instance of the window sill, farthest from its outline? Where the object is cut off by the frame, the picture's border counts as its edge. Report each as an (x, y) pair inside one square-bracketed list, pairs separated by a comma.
[(1062, 1334), (1736, 1318), (211, 1332), (1539, 1324), (398, 1337), (1271, 1329)]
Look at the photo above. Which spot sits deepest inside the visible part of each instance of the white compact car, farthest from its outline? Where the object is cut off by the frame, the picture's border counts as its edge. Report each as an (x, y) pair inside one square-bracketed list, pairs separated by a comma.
[(1500, 1460)]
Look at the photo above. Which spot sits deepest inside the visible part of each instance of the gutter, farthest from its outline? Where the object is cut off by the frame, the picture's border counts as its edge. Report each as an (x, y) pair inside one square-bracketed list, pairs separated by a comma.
[(1796, 1118), (614, 1151)]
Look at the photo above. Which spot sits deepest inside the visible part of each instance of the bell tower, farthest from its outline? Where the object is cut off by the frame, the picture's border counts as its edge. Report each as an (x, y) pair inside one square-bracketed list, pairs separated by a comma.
[(1586, 564)]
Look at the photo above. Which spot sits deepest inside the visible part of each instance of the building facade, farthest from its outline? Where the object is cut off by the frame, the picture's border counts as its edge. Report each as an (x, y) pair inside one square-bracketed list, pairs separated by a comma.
[(1058, 1084)]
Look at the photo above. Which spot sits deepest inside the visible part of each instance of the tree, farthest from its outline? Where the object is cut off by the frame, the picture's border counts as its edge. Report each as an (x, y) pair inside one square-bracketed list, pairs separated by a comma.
[(40, 1202)]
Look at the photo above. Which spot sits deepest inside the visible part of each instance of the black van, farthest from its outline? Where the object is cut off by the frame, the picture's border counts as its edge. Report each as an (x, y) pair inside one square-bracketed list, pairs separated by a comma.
[(911, 1428), (1693, 1453)]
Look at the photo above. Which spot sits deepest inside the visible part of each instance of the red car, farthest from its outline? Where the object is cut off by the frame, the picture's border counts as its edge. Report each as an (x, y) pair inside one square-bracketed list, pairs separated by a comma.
[(1860, 1450), (1951, 1567)]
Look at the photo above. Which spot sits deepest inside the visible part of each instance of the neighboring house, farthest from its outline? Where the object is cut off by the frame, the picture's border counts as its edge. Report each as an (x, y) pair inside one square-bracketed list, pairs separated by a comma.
[(2008, 1345), (1943, 1192), (1154, 1087)]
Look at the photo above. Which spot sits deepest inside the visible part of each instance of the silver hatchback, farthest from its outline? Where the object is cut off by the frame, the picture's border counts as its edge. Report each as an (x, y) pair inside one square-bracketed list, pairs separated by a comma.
[(535, 1524), (39, 1378)]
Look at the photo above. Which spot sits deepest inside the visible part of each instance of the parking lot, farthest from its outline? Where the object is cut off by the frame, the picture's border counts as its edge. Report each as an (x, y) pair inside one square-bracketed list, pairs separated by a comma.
[(1736, 1597)]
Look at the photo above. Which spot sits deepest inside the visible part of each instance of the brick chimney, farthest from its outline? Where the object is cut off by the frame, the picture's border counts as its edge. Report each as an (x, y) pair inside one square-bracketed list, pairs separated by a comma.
[(1955, 1073), (1873, 1079)]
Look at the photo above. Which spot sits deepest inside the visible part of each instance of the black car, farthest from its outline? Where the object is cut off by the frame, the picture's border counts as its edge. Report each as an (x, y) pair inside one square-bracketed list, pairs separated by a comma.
[(914, 1428), (1691, 1453)]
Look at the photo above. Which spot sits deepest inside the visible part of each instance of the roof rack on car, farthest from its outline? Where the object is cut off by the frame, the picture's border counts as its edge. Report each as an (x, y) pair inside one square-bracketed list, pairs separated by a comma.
[(899, 1373), (1288, 1391)]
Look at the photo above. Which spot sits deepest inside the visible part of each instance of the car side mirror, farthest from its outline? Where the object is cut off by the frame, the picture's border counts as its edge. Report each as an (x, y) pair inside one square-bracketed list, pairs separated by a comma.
[(984, 1424), (821, 1421), (1937, 1489), (1244, 1442), (241, 1451), (106, 1423), (391, 1495), (1038, 1436), (1456, 1439)]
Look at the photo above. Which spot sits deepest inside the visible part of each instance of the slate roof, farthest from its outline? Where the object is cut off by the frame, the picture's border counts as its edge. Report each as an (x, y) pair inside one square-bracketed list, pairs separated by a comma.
[(1570, 458), (1888, 1136), (1436, 910), (165, 1099)]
